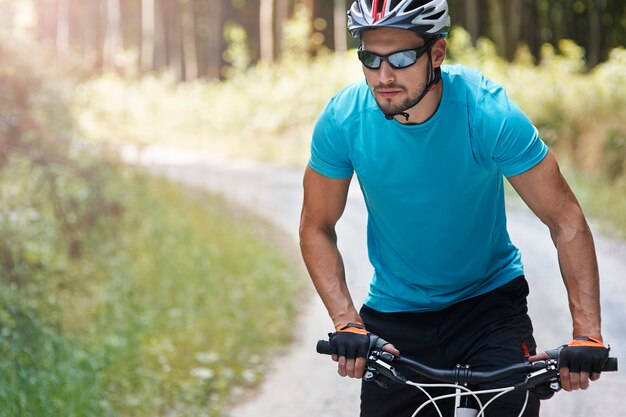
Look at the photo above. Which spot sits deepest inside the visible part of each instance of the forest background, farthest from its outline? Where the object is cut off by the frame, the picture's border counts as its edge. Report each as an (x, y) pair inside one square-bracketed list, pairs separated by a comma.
[(112, 303)]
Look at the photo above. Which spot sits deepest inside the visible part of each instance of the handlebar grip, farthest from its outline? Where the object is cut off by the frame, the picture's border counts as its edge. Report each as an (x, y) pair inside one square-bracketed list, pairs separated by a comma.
[(610, 365), (323, 347)]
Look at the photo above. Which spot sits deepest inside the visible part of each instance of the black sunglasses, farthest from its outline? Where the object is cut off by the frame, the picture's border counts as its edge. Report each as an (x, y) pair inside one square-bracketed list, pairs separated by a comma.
[(397, 60)]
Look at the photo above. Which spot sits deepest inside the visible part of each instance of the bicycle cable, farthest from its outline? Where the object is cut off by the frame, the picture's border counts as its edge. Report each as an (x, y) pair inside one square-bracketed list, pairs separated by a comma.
[(481, 411)]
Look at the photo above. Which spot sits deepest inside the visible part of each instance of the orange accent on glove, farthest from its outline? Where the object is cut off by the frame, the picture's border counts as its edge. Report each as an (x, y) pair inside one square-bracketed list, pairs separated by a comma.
[(586, 341), (351, 328)]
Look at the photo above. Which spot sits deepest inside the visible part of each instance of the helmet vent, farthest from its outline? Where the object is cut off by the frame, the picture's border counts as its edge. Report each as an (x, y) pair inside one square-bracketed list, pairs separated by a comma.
[(378, 9), (426, 17), (415, 4), (394, 3), (436, 16)]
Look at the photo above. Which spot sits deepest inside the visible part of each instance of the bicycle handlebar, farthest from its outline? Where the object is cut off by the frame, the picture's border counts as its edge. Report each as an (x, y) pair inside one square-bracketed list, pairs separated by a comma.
[(382, 362)]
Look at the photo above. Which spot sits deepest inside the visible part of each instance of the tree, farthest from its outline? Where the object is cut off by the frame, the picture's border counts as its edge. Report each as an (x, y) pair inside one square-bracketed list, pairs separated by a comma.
[(113, 37), (148, 24), (63, 27), (339, 22), (172, 36), (598, 8), (472, 14), (281, 16), (266, 29), (187, 28), (214, 44), (506, 23), (187, 36)]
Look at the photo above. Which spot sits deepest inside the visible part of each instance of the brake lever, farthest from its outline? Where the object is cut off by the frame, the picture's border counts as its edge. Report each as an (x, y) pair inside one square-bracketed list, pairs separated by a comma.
[(380, 362), (547, 371)]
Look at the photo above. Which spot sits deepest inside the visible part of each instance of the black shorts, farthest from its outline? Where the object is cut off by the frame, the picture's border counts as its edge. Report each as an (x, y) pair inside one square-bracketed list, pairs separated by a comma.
[(486, 332)]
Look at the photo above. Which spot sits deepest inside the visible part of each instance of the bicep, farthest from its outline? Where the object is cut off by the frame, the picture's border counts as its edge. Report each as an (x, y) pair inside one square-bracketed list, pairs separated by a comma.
[(324, 199), (548, 195)]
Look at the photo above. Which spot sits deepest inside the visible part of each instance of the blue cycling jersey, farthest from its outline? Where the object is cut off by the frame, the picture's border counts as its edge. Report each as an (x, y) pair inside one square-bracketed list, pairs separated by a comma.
[(434, 191)]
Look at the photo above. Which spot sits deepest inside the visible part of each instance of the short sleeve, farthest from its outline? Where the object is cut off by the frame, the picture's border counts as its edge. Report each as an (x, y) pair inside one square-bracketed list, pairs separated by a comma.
[(514, 142), (329, 148)]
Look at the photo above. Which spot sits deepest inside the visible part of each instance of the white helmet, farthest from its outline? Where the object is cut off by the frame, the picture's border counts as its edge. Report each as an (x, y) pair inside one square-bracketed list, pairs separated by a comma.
[(426, 17)]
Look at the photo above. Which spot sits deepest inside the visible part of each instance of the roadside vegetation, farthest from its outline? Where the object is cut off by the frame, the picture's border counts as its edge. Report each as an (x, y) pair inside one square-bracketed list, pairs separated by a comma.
[(268, 113), (125, 295), (121, 294)]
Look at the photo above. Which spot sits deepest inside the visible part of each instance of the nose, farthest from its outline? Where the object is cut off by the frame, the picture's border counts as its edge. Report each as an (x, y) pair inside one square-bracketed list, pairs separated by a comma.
[(386, 74)]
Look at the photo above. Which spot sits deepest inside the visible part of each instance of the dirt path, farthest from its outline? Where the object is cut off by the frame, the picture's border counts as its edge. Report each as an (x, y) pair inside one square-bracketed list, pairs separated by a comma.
[(302, 383)]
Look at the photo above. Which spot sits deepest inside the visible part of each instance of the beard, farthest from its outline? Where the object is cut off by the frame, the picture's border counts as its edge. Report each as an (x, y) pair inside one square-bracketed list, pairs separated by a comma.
[(390, 106)]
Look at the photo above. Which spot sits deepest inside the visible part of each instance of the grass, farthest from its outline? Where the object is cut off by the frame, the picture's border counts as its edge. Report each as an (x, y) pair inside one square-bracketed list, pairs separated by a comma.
[(121, 294), (173, 310)]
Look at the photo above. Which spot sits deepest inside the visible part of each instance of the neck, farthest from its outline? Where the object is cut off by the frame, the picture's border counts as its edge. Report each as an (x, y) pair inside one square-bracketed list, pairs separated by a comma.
[(425, 109)]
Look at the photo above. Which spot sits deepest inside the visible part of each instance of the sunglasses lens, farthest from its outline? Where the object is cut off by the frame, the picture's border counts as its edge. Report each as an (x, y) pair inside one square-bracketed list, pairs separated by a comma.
[(370, 60), (402, 59)]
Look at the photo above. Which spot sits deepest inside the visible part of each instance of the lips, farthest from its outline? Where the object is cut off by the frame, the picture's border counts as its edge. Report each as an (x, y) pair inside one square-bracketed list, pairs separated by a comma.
[(388, 92)]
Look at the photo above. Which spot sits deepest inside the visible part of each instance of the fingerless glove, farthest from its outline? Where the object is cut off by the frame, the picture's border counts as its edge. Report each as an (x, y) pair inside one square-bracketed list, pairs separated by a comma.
[(584, 354), (350, 340)]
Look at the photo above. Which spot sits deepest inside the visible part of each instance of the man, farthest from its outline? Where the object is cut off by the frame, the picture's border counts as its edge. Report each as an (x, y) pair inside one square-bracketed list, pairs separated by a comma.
[(430, 146)]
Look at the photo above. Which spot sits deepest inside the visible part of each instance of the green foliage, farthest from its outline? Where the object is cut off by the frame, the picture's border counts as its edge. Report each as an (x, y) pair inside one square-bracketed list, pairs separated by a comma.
[(296, 35), (199, 299), (237, 53), (120, 295), (171, 308), (41, 371), (268, 113), (615, 151)]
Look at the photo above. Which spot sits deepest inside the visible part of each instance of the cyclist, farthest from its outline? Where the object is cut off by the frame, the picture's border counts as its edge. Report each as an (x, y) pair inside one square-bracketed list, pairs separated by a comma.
[(430, 145)]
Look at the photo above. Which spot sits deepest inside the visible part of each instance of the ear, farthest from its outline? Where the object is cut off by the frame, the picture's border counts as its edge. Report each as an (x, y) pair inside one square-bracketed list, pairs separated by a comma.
[(438, 52)]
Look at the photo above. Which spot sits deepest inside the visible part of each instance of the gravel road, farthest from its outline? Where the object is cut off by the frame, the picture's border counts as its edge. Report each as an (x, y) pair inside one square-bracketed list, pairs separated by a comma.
[(302, 383)]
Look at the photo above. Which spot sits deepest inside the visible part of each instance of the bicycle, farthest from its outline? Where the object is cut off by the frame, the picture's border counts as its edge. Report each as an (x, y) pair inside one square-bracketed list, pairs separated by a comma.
[(540, 374)]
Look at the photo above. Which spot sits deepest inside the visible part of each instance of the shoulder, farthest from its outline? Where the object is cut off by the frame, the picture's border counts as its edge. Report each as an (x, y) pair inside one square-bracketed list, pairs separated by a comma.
[(471, 85), (462, 75)]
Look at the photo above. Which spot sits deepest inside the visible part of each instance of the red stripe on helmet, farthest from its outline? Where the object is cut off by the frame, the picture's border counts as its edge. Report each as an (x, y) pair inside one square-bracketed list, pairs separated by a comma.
[(376, 13)]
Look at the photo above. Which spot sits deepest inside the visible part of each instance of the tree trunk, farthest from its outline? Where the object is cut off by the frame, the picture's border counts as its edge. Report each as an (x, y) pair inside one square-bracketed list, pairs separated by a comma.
[(339, 22), (160, 36), (514, 27), (497, 25), (281, 16), (323, 17), (215, 40), (188, 31), (113, 37), (595, 32), (266, 31), (91, 34), (147, 35), (63, 28), (471, 19), (506, 21), (172, 35), (530, 27)]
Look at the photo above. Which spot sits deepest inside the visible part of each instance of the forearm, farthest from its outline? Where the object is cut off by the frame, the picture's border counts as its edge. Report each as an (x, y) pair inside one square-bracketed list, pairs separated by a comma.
[(326, 269), (579, 268)]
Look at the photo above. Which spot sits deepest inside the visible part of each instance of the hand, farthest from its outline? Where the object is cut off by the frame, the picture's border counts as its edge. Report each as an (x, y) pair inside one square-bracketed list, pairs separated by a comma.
[(544, 391), (580, 361), (349, 346)]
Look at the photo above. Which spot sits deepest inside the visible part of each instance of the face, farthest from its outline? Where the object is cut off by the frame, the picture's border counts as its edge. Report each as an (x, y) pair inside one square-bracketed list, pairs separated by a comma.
[(395, 89)]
